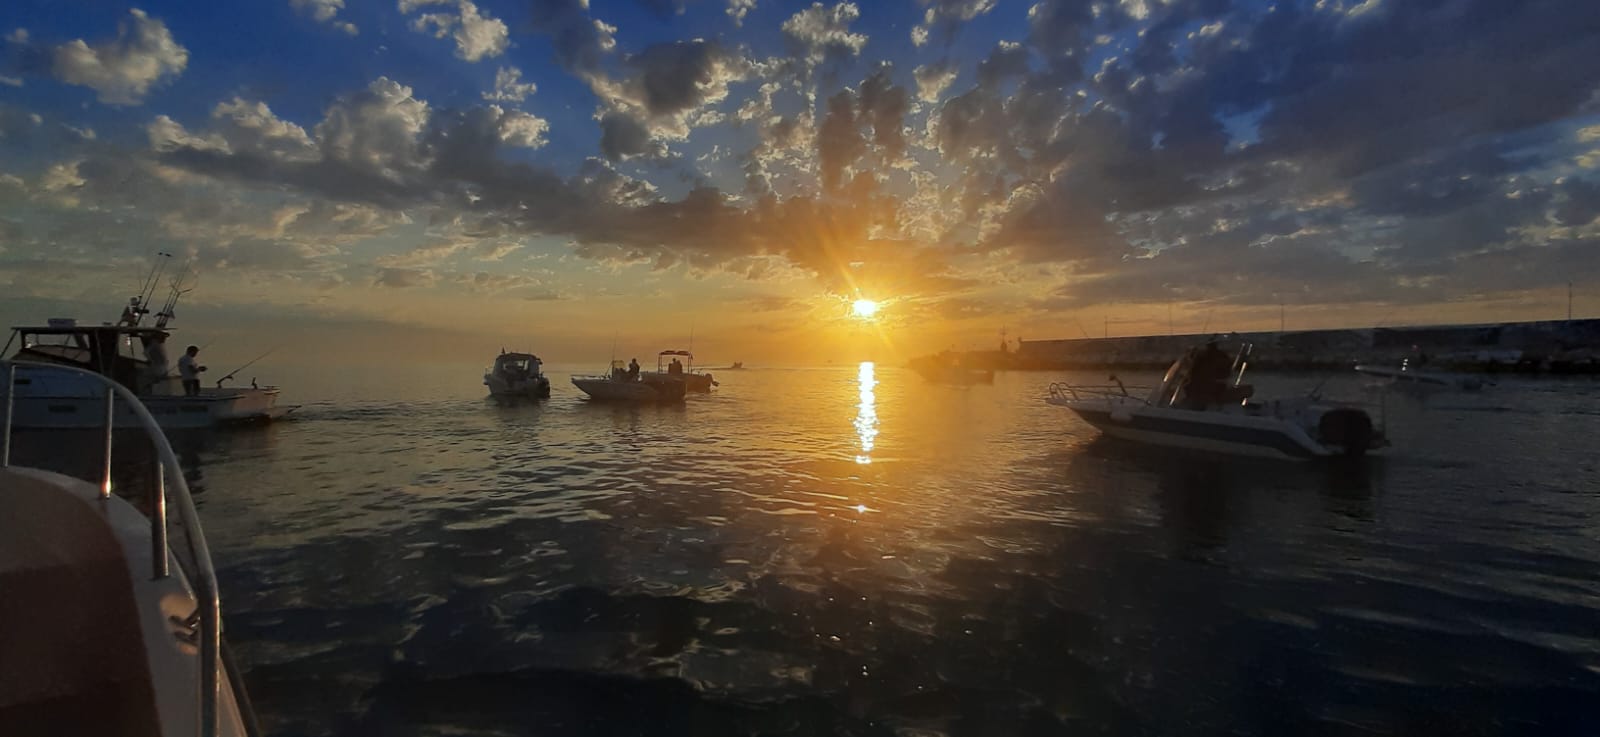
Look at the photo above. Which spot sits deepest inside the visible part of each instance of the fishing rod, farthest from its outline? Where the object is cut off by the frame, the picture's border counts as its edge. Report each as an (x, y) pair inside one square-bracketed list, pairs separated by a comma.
[(247, 365), (151, 280)]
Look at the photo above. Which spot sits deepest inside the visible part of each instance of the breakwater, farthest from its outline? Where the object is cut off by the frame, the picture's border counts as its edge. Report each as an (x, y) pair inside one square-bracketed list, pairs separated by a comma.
[(1551, 346)]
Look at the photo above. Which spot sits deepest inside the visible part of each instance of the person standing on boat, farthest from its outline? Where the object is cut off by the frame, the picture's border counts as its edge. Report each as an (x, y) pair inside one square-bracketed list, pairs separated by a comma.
[(633, 370), (130, 314), (190, 371), (156, 366), (1208, 378)]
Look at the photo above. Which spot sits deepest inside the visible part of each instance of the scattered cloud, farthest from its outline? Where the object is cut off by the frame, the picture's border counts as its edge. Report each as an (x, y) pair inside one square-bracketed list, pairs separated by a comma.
[(823, 33), (325, 12), (738, 9), (509, 87), (123, 70), (477, 35), (945, 16)]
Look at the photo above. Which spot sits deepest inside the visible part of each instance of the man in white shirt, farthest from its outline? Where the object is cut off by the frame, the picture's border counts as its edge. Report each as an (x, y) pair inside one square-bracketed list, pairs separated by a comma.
[(190, 371)]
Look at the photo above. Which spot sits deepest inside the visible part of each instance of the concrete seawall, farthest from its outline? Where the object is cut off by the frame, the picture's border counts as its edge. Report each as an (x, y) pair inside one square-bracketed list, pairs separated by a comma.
[(1555, 346)]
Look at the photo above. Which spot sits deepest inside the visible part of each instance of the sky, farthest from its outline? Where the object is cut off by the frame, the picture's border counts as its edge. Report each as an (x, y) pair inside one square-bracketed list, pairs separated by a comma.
[(583, 177)]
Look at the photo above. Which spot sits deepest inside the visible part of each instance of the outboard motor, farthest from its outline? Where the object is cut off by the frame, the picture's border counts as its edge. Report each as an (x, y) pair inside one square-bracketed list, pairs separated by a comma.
[(1348, 428)]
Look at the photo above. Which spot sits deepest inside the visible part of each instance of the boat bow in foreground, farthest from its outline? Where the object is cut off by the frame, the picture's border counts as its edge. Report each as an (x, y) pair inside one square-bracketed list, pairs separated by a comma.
[(111, 628)]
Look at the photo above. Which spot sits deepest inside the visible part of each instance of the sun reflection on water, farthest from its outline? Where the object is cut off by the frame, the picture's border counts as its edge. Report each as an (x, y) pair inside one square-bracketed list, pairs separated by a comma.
[(866, 411)]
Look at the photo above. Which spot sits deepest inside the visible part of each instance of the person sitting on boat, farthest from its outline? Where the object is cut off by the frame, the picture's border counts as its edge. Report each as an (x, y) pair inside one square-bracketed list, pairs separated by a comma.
[(190, 371), (156, 367), (1208, 377), (633, 370)]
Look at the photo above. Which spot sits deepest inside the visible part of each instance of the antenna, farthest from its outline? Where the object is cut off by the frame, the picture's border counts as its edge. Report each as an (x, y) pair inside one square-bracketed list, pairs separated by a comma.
[(147, 291), (178, 291)]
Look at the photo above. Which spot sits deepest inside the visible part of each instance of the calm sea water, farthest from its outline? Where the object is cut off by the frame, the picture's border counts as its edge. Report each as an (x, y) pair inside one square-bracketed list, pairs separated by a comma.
[(852, 551)]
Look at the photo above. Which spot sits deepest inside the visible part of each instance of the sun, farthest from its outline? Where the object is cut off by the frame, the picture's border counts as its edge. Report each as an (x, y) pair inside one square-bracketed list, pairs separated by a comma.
[(865, 309)]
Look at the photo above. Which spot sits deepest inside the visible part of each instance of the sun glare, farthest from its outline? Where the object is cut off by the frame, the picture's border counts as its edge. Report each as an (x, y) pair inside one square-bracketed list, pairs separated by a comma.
[(865, 309)]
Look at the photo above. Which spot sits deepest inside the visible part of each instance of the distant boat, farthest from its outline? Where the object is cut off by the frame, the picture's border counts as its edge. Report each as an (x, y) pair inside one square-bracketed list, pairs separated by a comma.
[(517, 375), (1406, 374), (947, 369), (1300, 428), (617, 386)]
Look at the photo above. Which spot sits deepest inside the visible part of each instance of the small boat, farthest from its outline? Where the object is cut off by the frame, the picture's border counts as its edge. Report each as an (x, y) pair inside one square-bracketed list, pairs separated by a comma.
[(517, 375), (1408, 375), (1298, 428), (670, 369), (111, 627), (947, 369), (618, 386), (45, 397)]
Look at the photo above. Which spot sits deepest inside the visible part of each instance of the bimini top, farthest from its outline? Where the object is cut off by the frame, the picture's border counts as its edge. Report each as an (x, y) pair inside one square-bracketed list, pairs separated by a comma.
[(517, 356), (676, 353)]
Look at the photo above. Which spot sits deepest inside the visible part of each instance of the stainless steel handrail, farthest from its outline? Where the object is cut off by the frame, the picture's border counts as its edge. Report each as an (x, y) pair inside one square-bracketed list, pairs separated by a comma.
[(203, 577)]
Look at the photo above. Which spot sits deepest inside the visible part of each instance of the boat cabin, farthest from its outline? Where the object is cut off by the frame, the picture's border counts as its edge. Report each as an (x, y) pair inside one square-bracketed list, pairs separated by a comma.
[(519, 365), (667, 362), (1179, 387), (114, 351)]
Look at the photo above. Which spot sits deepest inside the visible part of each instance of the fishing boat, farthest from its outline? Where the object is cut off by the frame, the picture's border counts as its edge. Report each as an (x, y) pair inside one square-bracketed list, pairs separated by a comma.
[(1295, 428), (111, 626), (947, 369), (517, 375), (44, 396), (671, 370), (1409, 376), (617, 385)]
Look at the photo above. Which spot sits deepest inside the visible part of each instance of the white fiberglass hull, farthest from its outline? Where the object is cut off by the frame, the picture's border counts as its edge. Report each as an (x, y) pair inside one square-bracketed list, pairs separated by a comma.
[(500, 387), (1227, 432), (625, 391), (47, 399)]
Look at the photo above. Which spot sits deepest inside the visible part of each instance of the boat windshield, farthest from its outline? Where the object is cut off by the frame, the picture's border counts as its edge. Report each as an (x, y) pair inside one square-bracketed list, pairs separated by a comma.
[(1167, 394)]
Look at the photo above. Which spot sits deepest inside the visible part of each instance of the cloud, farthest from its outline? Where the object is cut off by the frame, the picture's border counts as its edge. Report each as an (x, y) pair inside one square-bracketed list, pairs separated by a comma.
[(666, 91), (1208, 152), (122, 71), (399, 278), (326, 12), (623, 137), (934, 79), (580, 41), (477, 34), (823, 33), (509, 87), (947, 15), (738, 9)]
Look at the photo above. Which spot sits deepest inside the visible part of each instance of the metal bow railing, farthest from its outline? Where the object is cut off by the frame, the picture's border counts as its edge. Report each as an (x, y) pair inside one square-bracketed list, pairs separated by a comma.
[(202, 576)]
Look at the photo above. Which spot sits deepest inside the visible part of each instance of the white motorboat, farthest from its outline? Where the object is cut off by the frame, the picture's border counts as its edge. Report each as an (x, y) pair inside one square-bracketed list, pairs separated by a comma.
[(517, 375), (669, 369), (1298, 428), (45, 397), (1408, 375), (618, 385), (111, 627)]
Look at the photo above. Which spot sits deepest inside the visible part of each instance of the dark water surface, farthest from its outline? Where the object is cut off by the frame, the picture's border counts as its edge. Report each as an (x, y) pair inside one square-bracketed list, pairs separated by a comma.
[(852, 551)]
